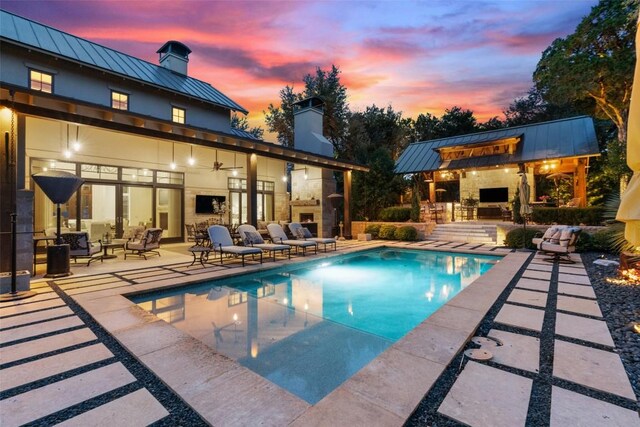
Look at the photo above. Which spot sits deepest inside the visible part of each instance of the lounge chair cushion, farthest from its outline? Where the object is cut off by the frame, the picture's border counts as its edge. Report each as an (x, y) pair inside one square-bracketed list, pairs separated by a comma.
[(238, 250)]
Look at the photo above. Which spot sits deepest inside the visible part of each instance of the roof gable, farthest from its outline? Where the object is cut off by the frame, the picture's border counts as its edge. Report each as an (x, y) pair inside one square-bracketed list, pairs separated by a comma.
[(539, 141), (35, 35)]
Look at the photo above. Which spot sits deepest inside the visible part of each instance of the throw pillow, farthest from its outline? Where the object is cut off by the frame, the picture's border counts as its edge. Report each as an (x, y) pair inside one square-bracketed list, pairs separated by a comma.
[(305, 233), (565, 236), (254, 237), (555, 237)]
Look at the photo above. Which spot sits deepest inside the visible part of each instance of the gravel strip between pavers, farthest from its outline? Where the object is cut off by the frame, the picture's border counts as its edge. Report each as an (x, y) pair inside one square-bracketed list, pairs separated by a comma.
[(620, 306), (179, 412)]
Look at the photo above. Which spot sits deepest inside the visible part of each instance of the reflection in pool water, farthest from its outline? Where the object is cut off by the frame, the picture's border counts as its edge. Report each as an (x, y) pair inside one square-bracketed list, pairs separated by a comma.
[(310, 327)]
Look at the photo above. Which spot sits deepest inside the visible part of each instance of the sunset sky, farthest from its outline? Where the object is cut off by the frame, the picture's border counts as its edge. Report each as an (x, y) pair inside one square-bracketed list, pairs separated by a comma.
[(420, 56)]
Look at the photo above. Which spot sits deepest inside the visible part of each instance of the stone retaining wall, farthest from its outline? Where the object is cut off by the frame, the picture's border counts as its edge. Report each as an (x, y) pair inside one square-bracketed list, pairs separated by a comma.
[(423, 229)]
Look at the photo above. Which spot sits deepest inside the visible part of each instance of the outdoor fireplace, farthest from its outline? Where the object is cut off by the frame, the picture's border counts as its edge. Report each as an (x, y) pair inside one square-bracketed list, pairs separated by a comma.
[(306, 217)]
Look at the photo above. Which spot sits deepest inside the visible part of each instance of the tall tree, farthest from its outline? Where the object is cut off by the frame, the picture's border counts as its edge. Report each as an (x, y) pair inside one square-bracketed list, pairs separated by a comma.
[(241, 123), (425, 127), (324, 84), (595, 63), (280, 119), (456, 121)]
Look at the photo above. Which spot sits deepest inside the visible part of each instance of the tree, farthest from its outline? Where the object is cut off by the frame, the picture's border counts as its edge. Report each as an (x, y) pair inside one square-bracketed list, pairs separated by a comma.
[(456, 121), (492, 124), (594, 65), (323, 84), (280, 119), (425, 127), (241, 123)]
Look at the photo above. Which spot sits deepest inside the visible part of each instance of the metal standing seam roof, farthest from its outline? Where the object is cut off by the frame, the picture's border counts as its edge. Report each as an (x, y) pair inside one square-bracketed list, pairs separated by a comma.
[(59, 43), (571, 137)]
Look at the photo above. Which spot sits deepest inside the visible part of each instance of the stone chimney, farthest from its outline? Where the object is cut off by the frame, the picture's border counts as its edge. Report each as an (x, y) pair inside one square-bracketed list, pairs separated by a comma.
[(307, 127), (174, 56)]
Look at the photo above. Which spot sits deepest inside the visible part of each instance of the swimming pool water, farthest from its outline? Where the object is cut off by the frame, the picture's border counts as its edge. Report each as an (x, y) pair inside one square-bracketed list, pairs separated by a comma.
[(310, 327)]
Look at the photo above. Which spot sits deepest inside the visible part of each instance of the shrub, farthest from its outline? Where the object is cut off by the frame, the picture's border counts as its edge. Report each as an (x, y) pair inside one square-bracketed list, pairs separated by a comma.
[(568, 216), (514, 238), (395, 214), (608, 239), (387, 232), (406, 232), (584, 243), (373, 229), (415, 206)]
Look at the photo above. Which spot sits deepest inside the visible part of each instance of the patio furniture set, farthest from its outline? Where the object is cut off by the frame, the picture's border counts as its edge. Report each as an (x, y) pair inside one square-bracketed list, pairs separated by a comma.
[(219, 240)]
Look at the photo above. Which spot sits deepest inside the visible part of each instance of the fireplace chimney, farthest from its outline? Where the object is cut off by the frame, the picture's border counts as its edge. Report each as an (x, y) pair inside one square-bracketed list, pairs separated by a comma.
[(307, 127), (174, 56)]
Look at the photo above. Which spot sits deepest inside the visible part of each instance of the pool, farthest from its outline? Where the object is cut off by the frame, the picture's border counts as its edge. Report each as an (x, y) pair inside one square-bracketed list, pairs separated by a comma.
[(311, 326)]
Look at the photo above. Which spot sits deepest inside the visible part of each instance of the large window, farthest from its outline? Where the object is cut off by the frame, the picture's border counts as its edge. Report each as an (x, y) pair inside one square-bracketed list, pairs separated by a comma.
[(178, 115), (238, 203), (119, 101), (39, 80)]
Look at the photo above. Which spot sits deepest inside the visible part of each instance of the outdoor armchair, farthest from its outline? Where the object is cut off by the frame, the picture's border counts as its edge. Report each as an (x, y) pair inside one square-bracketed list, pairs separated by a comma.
[(251, 237), (561, 247), (149, 243), (304, 234), (81, 247), (222, 242), (278, 235)]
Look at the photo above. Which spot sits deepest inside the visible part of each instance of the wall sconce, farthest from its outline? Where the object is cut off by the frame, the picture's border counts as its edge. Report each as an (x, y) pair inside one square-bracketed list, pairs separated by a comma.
[(76, 144)]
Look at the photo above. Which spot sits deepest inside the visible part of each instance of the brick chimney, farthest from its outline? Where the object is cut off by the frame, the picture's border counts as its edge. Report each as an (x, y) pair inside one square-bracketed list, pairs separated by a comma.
[(174, 56)]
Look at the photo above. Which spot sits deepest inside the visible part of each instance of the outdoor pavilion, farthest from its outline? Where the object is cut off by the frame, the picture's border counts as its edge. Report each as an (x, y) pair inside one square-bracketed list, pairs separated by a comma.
[(484, 165)]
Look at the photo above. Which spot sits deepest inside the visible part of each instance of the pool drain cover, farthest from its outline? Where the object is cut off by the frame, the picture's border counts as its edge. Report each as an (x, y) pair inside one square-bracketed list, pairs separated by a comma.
[(478, 354)]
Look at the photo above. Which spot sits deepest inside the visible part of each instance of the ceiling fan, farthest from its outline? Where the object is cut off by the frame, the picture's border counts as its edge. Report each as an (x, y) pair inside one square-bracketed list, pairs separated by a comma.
[(217, 166)]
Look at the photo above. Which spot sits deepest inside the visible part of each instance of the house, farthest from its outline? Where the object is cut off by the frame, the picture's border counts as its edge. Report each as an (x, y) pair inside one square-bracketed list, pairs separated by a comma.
[(153, 144)]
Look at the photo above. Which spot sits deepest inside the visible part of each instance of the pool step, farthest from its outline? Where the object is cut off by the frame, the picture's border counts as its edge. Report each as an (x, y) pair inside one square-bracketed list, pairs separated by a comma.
[(470, 233)]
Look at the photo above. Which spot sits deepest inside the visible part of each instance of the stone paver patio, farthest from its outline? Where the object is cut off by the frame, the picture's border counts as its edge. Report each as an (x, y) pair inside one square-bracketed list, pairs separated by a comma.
[(58, 364)]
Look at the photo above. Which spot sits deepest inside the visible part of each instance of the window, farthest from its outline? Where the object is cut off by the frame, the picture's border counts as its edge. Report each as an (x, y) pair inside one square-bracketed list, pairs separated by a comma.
[(119, 101), (177, 115), (40, 81)]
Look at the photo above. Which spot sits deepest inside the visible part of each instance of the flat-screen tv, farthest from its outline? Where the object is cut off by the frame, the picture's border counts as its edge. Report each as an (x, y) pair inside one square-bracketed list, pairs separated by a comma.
[(210, 204), (494, 195)]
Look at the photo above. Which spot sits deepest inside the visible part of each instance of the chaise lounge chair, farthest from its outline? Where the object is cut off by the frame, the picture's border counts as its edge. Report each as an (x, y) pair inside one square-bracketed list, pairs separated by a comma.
[(278, 236), (561, 248), (81, 247), (252, 238), (303, 233), (221, 242), (149, 243)]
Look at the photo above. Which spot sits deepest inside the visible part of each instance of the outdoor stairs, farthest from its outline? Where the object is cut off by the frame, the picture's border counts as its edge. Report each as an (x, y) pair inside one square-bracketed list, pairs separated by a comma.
[(465, 232)]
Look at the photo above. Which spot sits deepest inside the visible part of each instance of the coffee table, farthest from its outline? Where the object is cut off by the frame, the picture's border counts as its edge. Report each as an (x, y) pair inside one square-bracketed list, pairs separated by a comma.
[(107, 246)]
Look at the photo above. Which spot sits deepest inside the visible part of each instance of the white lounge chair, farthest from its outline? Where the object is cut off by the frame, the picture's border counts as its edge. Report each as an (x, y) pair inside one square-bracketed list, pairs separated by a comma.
[(251, 237), (278, 236), (562, 247), (221, 242), (303, 233)]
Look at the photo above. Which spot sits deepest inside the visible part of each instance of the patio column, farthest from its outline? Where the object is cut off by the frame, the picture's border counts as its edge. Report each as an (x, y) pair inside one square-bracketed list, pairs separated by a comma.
[(252, 189), (580, 181), (347, 204)]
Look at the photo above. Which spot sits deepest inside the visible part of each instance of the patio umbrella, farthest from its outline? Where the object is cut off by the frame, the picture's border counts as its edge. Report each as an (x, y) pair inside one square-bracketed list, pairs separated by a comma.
[(629, 210), (556, 177), (525, 209)]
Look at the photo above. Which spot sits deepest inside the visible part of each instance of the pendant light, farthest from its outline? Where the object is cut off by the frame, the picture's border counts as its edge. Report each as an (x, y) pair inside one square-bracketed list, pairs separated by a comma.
[(192, 160), (67, 153), (172, 165)]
